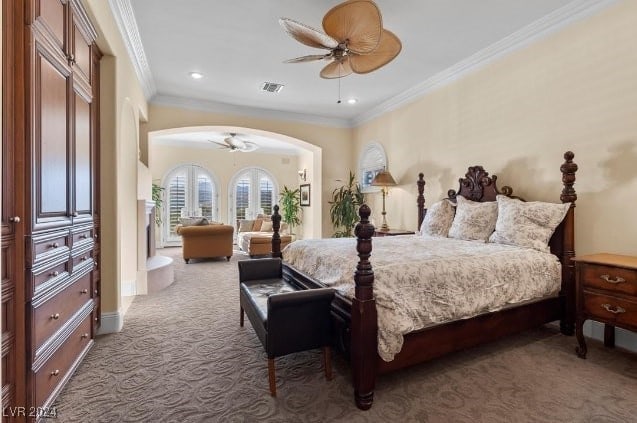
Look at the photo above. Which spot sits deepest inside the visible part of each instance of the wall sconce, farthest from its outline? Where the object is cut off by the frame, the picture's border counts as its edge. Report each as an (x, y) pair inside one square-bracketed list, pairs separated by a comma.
[(303, 175)]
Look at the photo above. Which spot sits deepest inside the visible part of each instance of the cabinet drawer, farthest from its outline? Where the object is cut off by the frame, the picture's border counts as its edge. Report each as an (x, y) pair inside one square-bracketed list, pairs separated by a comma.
[(609, 278), (82, 236), (48, 246), (50, 315), (613, 310), (55, 370), (48, 275), (83, 259)]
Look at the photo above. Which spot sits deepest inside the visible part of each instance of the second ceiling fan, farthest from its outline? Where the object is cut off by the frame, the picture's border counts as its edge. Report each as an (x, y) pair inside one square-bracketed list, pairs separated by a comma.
[(232, 143), (354, 36)]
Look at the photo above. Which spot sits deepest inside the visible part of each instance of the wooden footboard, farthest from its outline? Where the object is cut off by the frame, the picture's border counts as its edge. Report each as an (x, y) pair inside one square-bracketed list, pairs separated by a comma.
[(356, 320)]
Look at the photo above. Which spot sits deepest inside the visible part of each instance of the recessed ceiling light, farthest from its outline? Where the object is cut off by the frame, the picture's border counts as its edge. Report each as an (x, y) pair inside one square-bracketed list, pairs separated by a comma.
[(352, 101), (196, 75)]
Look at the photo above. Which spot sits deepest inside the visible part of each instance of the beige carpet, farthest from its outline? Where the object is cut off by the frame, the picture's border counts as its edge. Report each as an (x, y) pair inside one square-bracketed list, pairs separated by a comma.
[(182, 357)]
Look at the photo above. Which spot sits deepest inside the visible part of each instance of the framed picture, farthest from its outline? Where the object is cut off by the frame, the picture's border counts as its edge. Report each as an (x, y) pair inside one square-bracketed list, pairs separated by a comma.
[(305, 195)]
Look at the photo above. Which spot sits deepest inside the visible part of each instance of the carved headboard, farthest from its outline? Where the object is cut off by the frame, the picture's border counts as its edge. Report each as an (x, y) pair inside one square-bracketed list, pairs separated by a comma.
[(477, 185)]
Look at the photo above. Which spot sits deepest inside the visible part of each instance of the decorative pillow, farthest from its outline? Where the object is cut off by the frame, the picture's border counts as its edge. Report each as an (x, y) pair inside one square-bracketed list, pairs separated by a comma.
[(528, 225), (473, 220), (257, 225), (245, 225), (284, 229), (193, 221), (438, 219), (266, 226)]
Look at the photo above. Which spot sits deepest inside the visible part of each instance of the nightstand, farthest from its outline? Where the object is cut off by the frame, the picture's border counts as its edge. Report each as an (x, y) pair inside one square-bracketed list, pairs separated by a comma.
[(606, 291), (392, 232)]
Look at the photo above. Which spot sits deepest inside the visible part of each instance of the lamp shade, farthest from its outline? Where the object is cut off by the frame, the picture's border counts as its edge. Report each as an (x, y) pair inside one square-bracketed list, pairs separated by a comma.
[(383, 179)]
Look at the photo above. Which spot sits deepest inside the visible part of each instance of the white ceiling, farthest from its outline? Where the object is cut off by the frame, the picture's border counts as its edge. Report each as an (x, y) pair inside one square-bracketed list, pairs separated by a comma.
[(238, 45)]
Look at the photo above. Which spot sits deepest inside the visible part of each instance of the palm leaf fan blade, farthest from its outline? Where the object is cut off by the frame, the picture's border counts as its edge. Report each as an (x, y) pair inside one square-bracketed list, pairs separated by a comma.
[(337, 69), (307, 35), (308, 58), (387, 50), (358, 23)]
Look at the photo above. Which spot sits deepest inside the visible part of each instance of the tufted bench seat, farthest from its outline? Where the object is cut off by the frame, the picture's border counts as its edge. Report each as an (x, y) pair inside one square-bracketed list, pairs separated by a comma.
[(286, 320)]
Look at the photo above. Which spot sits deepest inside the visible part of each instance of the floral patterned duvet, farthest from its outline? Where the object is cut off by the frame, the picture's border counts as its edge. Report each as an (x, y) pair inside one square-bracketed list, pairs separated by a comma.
[(422, 281)]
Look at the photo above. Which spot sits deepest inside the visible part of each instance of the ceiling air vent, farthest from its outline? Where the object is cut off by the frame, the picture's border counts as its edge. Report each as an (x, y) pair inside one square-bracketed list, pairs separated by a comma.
[(271, 87)]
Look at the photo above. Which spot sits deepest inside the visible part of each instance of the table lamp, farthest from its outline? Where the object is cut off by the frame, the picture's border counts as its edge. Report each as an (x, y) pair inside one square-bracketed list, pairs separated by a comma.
[(384, 180)]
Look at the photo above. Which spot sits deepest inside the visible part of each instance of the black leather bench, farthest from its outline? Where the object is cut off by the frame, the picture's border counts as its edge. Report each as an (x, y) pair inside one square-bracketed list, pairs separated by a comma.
[(285, 319)]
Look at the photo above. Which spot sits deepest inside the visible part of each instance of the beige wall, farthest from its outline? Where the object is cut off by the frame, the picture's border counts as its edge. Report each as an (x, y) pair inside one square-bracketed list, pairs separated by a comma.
[(223, 166), (575, 90), (335, 146), (122, 107)]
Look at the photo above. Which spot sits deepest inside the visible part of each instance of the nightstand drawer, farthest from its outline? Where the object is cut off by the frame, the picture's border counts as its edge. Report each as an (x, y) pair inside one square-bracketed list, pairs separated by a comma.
[(613, 310), (610, 278)]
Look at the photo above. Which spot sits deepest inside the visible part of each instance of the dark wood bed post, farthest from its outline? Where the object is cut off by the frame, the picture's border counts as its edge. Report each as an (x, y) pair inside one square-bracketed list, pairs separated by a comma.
[(568, 169), (276, 238), (421, 199), (364, 325)]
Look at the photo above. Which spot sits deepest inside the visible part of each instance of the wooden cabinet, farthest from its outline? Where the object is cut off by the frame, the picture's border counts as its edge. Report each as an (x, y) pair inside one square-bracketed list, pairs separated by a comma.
[(606, 292), (51, 136)]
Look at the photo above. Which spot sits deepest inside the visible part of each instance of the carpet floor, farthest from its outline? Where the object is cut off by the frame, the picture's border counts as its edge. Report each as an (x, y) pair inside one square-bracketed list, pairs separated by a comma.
[(182, 357)]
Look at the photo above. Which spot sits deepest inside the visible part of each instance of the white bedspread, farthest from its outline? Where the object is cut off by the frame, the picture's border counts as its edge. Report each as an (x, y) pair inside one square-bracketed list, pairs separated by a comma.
[(420, 281)]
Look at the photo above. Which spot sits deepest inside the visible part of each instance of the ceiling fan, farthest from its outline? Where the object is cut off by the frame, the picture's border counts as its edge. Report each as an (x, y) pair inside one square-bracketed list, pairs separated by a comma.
[(232, 143), (354, 36)]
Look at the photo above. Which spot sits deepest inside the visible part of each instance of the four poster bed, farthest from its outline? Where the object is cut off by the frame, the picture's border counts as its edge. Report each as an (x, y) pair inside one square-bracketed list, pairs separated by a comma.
[(359, 312)]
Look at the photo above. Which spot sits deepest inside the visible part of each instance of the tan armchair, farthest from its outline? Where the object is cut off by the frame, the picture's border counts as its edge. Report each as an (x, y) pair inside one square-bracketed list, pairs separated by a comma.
[(206, 241)]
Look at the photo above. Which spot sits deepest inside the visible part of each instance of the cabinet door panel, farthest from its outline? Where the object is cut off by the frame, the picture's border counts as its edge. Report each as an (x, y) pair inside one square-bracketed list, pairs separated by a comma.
[(51, 140), (83, 154), (51, 14), (81, 54)]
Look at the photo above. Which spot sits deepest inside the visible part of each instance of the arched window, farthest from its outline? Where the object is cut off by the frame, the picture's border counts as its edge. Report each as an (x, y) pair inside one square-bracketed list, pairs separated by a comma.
[(190, 190), (371, 161), (251, 192)]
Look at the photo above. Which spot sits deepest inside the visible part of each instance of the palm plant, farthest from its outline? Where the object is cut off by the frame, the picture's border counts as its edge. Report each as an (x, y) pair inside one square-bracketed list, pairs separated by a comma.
[(290, 206), (344, 207)]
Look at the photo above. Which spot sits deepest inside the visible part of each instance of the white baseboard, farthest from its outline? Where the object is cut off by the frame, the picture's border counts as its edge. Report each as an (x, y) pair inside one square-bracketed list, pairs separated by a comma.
[(623, 338), (111, 322)]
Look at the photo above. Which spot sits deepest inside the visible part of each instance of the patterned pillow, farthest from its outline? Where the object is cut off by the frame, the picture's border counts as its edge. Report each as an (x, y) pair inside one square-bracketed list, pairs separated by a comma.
[(438, 219), (473, 220), (266, 226), (528, 225)]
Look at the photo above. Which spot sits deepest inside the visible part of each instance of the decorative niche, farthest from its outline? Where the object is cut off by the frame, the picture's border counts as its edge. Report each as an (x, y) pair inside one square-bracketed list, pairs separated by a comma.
[(371, 161)]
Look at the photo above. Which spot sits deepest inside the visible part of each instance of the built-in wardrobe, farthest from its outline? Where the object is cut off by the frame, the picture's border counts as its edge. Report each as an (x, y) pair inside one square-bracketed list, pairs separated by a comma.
[(50, 199)]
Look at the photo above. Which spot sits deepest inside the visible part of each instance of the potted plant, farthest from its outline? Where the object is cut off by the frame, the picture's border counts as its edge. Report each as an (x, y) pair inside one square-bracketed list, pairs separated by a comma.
[(157, 198), (344, 207), (290, 207)]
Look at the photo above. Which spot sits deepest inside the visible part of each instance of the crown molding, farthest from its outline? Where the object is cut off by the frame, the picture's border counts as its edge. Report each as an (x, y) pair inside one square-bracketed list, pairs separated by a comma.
[(125, 19), (551, 23), (233, 109)]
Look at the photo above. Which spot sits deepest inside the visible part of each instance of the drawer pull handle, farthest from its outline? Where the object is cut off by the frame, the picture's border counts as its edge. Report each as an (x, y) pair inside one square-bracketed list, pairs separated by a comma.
[(83, 236), (84, 291), (95, 292), (609, 280), (84, 258), (84, 335), (614, 310), (54, 273), (55, 245), (55, 316), (55, 372)]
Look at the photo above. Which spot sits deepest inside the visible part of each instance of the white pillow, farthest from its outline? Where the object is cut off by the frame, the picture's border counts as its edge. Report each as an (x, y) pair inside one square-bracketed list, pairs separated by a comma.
[(473, 220), (438, 219), (266, 226), (528, 225)]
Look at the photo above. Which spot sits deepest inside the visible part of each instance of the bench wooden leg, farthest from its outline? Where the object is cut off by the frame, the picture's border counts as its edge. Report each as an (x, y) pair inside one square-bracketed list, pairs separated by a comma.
[(327, 361), (271, 377), (241, 317)]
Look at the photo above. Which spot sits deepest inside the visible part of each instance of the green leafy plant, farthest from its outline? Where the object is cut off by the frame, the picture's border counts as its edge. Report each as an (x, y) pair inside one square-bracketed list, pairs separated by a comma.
[(290, 206), (158, 199), (344, 207)]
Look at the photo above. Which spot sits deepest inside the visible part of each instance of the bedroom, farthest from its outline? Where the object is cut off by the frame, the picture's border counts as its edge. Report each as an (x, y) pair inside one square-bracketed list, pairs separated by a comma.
[(573, 88)]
